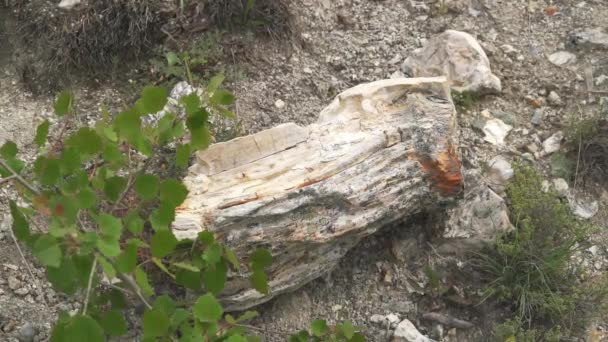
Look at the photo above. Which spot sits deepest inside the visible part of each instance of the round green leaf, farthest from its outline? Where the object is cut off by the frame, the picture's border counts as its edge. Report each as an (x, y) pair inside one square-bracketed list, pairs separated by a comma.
[(86, 141), (134, 223), (63, 103), (260, 259), (142, 280), (154, 99), (42, 131), (173, 192), (162, 243), (207, 309), (182, 155), (87, 198), (47, 251), (162, 216), (78, 328), (215, 278), (127, 260), (113, 322), (222, 97), (146, 186), (108, 246), (319, 327), (259, 280), (110, 226), (20, 226), (213, 254), (156, 323), (8, 150), (114, 187)]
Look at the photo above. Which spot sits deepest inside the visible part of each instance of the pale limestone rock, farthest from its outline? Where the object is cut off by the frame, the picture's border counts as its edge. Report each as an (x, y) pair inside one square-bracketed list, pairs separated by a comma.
[(480, 217), (553, 143), (406, 332), (379, 152), (562, 58), (500, 171), (496, 131), (458, 56), (595, 38)]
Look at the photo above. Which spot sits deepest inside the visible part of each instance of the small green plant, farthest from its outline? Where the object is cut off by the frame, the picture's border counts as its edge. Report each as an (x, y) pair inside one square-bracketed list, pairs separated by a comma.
[(464, 100), (532, 268), (512, 330), (194, 64), (93, 208), (321, 332)]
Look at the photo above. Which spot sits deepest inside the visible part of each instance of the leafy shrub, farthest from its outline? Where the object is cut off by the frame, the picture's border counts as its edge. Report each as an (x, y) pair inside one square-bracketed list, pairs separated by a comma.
[(532, 268), (108, 215)]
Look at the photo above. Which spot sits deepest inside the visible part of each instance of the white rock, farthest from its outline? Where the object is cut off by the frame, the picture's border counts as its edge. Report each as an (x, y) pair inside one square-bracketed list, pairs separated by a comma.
[(496, 131), (593, 250), (595, 38), (307, 70), (407, 332), (397, 74), (392, 319), (458, 56), (583, 209), (68, 4), (508, 49), (554, 99), (377, 319), (480, 217), (562, 58), (280, 104), (500, 170), (561, 186), (601, 79), (553, 143)]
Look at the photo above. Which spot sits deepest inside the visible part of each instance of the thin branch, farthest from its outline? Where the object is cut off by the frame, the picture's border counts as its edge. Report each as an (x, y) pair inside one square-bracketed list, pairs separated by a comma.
[(130, 184), (6, 179), (21, 180), (89, 284), (131, 283)]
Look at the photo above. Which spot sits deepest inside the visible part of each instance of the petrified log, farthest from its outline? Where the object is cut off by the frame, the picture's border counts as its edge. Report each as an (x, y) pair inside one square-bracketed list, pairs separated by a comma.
[(380, 152)]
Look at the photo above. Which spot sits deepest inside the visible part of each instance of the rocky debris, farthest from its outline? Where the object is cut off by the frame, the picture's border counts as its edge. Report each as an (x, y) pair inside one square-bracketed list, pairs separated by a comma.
[(280, 104), (583, 208), (480, 216), (296, 188), (496, 131), (458, 56), (554, 99), (537, 117), (561, 58), (553, 143), (406, 332), (595, 38), (68, 4), (500, 171), (561, 187), (26, 333)]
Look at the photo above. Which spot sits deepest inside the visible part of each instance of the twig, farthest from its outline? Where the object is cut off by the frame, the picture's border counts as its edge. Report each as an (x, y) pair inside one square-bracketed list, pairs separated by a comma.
[(89, 284), (6, 179), (27, 265), (130, 185), (131, 283), (447, 320), (21, 180)]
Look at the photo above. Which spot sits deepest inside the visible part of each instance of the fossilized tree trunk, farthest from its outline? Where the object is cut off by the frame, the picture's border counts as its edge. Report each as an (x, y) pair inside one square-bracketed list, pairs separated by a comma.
[(379, 152)]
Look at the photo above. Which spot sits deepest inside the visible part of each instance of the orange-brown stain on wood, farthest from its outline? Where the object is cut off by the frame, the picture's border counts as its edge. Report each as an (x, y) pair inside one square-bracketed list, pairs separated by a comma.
[(445, 171)]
